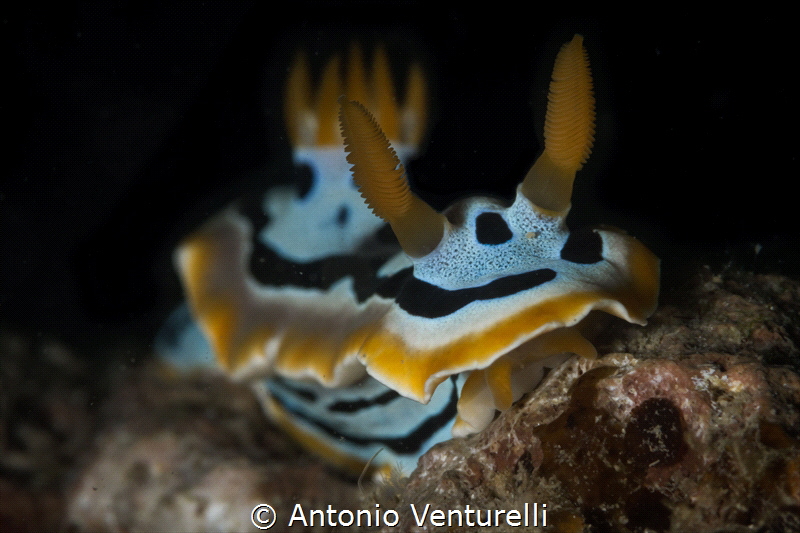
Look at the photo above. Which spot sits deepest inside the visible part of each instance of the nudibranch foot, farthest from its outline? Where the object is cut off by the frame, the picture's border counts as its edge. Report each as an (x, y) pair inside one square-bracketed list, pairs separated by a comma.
[(498, 386)]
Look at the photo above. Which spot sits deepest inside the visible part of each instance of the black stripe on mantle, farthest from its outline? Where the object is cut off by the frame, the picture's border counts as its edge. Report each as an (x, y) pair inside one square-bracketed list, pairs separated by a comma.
[(408, 444), (423, 299), (416, 297), (270, 269)]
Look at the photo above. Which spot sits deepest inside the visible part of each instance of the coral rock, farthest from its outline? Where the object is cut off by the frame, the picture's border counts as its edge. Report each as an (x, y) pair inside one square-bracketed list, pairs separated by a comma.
[(626, 444)]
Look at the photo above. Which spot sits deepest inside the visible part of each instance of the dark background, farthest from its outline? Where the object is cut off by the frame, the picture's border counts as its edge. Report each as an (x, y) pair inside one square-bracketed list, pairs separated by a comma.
[(126, 124)]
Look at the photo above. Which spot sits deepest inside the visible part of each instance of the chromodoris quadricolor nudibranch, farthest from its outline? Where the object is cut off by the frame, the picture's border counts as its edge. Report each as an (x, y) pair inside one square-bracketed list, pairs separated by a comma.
[(357, 340)]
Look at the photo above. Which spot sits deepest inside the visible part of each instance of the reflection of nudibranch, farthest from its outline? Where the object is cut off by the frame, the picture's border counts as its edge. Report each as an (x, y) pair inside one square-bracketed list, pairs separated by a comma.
[(330, 217), (349, 343)]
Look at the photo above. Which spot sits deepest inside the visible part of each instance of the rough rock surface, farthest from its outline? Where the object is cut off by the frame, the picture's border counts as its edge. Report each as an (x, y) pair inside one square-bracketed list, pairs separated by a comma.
[(194, 454), (46, 421), (705, 443)]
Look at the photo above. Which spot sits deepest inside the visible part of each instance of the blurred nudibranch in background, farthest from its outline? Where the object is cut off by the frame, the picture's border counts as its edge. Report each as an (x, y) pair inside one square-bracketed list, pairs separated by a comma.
[(357, 339)]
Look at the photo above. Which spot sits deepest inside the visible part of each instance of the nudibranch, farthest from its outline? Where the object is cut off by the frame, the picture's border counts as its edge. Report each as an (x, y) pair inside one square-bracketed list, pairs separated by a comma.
[(355, 344)]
